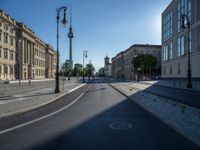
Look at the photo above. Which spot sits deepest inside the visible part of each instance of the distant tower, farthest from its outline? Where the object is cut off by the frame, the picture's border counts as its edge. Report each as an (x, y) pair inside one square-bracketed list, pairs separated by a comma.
[(70, 36), (106, 60)]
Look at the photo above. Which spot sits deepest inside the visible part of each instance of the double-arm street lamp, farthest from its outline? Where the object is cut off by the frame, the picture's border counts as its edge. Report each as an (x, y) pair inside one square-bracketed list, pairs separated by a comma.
[(64, 22), (185, 24), (84, 56)]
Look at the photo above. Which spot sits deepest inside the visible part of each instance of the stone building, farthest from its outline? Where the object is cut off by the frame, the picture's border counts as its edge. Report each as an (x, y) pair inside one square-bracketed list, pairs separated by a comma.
[(175, 42), (122, 63), (25, 52), (51, 58), (40, 59), (8, 28), (22, 54)]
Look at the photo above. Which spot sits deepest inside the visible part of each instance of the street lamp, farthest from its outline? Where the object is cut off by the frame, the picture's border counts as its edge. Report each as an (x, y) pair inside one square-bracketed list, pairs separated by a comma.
[(64, 22), (84, 56), (185, 24)]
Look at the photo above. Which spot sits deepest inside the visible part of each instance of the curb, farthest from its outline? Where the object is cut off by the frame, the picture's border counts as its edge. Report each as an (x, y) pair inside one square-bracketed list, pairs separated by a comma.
[(193, 140), (40, 105)]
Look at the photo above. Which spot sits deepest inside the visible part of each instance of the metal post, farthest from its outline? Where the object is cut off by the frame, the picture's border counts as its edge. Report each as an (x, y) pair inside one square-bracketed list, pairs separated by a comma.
[(57, 88), (189, 72)]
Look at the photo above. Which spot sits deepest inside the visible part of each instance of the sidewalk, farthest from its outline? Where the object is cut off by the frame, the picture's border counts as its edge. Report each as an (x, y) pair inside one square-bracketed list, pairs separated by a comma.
[(183, 118), (20, 101)]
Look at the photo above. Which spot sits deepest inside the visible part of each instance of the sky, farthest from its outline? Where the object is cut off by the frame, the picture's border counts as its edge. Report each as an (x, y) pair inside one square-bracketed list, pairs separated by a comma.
[(102, 27)]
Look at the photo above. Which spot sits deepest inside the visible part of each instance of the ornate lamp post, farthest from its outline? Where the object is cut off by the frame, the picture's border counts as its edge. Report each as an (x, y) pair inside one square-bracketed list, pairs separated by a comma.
[(64, 22), (84, 56), (185, 24)]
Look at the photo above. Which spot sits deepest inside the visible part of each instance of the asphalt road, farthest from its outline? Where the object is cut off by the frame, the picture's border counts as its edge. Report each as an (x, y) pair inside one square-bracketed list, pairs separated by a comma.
[(94, 117)]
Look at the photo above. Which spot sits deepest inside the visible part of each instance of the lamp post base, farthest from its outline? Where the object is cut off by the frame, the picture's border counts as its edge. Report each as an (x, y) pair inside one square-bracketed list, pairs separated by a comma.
[(57, 91)]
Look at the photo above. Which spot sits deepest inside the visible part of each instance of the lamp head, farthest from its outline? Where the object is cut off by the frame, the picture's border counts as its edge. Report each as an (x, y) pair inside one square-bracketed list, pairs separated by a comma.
[(64, 21)]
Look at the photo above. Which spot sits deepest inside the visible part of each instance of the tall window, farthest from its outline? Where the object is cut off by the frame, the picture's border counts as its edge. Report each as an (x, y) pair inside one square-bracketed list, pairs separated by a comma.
[(170, 50), (0, 52), (184, 7), (181, 46), (11, 56), (189, 10), (5, 54), (5, 69), (179, 68), (167, 26), (11, 41), (5, 38), (11, 70), (165, 53), (0, 69)]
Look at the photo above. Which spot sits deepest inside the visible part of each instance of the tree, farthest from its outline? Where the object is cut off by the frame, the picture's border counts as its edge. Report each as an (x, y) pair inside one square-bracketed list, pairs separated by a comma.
[(89, 70), (66, 68), (78, 69), (147, 63)]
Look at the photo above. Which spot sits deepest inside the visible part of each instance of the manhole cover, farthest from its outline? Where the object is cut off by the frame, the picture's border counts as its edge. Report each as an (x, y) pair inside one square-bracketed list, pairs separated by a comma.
[(120, 125)]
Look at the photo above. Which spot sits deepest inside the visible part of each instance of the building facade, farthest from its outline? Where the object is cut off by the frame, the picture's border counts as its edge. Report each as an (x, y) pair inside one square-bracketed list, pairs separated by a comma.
[(22, 54), (176, 42), (7, 46), (122, 66)]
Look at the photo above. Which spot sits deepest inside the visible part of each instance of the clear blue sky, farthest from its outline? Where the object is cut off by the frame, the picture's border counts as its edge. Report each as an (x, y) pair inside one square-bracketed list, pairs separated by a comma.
[(100, 26)]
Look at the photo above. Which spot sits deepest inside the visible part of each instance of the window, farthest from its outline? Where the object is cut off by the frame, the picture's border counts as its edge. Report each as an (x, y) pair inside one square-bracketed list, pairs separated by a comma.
[(5, 69), (165, 53), (167, 26), (11, 56), (171, 70), (0, 52), (164, 70), (184, 7), (181, 48), (6, 27), (5, 38), (179, 68), (189, 11), (11, 41), (0, 69), (170, 50), (5, 54), (11, 70)]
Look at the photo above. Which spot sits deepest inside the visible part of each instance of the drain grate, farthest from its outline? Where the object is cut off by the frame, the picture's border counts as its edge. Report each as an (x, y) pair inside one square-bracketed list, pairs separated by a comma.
[(120, 126)]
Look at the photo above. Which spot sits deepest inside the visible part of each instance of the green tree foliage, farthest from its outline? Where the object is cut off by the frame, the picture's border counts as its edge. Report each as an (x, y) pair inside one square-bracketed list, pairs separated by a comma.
[(65, 68), (89, 70), (147, 63), (78, 69)]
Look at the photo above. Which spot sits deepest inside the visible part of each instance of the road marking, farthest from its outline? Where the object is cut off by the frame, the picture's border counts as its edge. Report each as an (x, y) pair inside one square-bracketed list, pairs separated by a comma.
[(46, 116), (76, 88)]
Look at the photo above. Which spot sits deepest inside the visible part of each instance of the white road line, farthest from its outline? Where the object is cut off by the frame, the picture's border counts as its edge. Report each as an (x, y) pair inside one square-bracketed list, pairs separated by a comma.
[(76, 88), (46, 116)]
